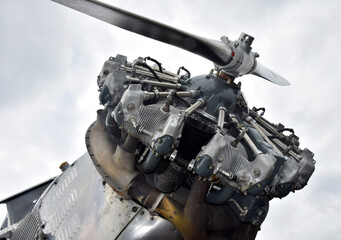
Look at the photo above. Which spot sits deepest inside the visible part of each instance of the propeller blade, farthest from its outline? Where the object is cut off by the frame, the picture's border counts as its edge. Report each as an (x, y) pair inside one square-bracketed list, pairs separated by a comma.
[(227, 55), (213, 50), (268, 74)]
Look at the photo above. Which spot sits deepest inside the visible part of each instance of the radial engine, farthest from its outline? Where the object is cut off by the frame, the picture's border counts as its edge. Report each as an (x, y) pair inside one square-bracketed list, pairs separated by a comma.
[(191, 150)]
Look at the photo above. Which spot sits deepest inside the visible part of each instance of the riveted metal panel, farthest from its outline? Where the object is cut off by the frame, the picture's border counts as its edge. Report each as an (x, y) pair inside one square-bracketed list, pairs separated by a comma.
[(145, 227), (79, 205)]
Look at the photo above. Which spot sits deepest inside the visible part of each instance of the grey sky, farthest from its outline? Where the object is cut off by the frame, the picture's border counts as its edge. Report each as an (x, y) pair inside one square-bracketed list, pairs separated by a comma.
[(50, 57)]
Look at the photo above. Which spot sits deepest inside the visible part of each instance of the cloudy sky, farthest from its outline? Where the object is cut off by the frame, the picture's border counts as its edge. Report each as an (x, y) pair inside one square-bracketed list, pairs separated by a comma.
[(50, 57)]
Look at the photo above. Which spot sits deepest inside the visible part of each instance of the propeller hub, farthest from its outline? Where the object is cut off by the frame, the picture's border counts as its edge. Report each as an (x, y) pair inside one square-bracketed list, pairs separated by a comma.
[(243, 60)]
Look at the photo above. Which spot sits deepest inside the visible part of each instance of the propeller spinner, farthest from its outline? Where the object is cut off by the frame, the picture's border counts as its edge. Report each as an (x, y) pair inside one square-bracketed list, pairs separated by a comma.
[(233, 57)]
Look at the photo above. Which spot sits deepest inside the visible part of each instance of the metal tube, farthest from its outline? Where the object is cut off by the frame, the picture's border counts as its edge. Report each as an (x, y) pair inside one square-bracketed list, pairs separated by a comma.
[(238, 138), (195, 211), (191, 93), (221, 117), (140, 128), (259, 130), (155, 83), (194, 106), (152, 95), (189, 220), (164, 71), (247, 139), (138, 70), (167, 72), (266, 124), (169, 99), (282, 145), (253, 147)]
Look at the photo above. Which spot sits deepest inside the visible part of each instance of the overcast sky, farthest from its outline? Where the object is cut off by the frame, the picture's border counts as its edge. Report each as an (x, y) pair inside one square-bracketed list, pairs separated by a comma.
[(50, 57)]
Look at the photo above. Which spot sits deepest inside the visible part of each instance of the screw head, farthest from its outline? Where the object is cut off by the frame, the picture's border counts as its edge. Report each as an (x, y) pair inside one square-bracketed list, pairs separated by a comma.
[(256, 172), (134, 209), (131, 107)]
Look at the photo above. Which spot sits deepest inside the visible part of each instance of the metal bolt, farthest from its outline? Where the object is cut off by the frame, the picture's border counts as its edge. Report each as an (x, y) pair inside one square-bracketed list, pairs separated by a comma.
[(259, 212), (304, 175), (256, 172), (131, 107), (256, 222), (134, 209)]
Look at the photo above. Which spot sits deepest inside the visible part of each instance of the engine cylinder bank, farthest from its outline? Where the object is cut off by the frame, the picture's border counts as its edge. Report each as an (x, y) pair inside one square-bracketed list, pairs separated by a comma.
[(192, 150)]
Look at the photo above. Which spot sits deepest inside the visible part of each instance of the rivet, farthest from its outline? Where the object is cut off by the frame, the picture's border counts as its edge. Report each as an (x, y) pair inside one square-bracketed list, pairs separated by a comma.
[(134, 209)]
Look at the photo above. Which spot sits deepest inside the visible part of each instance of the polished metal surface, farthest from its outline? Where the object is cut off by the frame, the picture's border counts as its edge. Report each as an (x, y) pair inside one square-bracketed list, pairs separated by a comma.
[(78, 205), (145, 227), (268, 74)]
